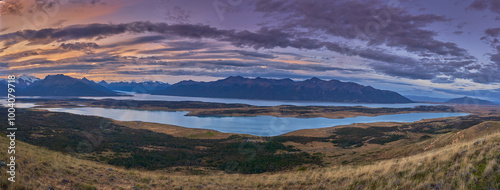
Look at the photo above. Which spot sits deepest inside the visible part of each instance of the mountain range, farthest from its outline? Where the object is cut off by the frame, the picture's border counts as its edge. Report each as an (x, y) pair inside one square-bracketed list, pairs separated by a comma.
[(62, 85), (24, 81), (21, 82), (469, 100), (139, 87), (313, 89)]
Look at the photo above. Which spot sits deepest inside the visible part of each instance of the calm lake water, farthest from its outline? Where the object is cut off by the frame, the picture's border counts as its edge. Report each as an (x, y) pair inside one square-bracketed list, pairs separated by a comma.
[(137, 96), (258, 125), (20, 105)]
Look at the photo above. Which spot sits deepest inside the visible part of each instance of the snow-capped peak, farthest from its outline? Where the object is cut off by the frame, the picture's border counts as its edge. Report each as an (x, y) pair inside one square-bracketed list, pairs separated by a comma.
[(27, 79)]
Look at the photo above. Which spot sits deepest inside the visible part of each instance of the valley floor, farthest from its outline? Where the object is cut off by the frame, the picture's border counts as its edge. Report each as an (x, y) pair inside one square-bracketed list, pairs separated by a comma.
[(68, 151), (470, 163)]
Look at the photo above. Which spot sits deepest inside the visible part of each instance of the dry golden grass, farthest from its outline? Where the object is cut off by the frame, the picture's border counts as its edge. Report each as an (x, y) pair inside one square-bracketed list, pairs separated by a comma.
[(466, 163), (326, 131)]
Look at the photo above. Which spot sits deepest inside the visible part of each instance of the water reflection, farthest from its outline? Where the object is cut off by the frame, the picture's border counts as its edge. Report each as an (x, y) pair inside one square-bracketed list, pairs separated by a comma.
[(258, 125)]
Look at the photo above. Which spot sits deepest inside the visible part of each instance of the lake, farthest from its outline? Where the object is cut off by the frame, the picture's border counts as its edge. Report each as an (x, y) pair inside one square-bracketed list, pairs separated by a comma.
[(137, 96), (258, 125)]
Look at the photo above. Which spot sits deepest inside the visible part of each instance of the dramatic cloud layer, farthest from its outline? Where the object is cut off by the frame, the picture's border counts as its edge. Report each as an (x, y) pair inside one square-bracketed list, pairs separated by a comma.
[(395, 42), (371, 21), (263, 38)]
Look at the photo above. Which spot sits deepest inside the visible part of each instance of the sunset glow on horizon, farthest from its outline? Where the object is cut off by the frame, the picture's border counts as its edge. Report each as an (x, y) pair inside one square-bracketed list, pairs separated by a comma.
[(423, 48)]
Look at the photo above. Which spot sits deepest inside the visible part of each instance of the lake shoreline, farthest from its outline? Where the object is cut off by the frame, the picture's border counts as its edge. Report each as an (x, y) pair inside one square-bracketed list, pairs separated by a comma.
[(257, 125), (253, 102), (211, 109)]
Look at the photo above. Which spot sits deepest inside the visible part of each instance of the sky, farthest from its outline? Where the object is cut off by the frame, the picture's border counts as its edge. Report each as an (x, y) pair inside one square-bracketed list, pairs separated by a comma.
[(420, 48)]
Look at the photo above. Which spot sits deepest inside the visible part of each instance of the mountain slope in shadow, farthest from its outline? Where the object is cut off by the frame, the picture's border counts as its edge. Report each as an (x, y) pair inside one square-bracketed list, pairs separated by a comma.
[(313, 89), (62, 85)]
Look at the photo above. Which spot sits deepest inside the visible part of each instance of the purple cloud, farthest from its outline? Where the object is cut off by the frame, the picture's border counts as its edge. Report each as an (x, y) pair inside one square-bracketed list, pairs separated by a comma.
[(371, 21), (267, 38), (481, 5)]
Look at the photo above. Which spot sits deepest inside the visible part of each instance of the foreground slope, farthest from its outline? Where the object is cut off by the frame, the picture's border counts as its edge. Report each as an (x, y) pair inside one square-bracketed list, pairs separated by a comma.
[(467, 163), (313, 89)]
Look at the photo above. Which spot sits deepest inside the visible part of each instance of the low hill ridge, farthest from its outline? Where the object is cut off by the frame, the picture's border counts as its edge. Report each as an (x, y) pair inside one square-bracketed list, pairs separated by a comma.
[(469, 100)]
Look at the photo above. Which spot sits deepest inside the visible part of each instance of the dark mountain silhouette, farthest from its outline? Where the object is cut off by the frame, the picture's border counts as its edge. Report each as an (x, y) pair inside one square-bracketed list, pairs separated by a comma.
[(139, 87), (469, 100), (103, 83), (3, 90), (313, 89), (62, 85)]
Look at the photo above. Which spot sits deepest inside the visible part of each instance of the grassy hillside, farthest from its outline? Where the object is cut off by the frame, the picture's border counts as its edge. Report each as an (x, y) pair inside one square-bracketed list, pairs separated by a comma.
[(469, 159), (100, 139)]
